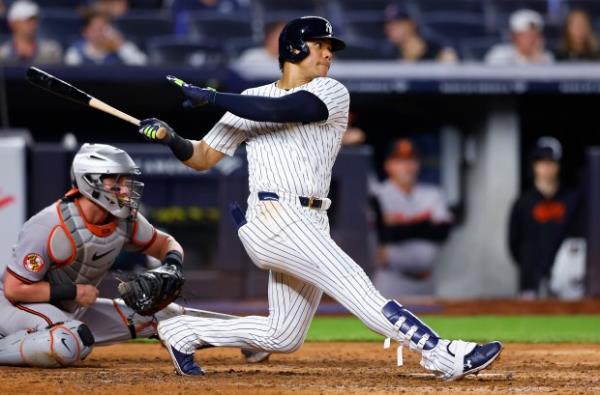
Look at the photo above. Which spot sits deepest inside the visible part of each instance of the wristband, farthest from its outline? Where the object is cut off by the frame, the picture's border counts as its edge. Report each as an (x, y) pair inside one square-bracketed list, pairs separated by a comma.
[(173, 258), (60, 292), (183, 149)]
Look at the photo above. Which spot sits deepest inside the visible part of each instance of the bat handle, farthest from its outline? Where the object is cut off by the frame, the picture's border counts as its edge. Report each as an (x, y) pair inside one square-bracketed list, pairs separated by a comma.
[(161, 133)]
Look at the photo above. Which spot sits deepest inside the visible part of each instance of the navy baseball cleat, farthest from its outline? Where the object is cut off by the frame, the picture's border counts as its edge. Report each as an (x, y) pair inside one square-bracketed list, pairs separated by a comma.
[(455, 359), (184, 363)]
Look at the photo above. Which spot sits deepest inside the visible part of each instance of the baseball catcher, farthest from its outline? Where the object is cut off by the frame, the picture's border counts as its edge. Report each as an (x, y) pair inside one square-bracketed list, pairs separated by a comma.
[(49, 293)]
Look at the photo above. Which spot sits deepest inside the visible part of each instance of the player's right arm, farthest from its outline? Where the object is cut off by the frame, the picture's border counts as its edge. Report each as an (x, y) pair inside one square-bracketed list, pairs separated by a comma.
[(24, 280), (17, 291)]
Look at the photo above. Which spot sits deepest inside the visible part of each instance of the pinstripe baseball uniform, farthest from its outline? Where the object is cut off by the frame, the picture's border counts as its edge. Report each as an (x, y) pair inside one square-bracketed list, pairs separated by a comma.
[(287, 163)]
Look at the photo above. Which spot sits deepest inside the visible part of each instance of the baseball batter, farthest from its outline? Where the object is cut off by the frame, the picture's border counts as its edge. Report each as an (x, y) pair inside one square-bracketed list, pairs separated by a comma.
[(292, 129), (51, 313)]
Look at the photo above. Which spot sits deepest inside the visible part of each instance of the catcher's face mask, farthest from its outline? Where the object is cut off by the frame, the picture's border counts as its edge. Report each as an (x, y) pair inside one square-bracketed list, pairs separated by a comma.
[(120, 193)]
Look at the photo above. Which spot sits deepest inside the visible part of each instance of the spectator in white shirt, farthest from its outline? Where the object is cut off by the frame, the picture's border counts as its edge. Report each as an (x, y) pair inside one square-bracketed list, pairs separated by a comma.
[(527, 45)]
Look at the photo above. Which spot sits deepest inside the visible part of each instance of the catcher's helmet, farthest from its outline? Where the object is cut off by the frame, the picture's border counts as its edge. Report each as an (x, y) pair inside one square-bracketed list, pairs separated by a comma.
[(95, 161), (293, 37)]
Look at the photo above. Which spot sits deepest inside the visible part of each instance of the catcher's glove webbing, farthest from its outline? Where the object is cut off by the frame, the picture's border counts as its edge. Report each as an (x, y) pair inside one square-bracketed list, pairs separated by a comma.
[(153, 290)]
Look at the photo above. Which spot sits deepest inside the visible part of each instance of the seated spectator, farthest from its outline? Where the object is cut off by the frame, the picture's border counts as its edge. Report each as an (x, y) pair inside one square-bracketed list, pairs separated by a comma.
[(540, 219), (406, 42), (578, 42), (25, 46), (101, 43), (527, 46), (224, 6), (267, 55), (412, 219)]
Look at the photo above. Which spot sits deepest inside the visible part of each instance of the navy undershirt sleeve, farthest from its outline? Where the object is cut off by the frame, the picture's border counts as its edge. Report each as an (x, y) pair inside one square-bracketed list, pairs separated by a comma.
[(301, 106)]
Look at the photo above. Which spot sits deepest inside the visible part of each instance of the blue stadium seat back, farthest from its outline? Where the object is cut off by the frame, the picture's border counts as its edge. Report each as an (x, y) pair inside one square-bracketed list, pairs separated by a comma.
[(368, 50), (308, 7), (66, 4), (426, 6), (60, 25), (454, 26), (359, 26), (475, 48), (592, 7), (184, 52), (373, 7), (222, 27), (140, 26), (508, 6), (146, 4), (4, 26), (236, 46)]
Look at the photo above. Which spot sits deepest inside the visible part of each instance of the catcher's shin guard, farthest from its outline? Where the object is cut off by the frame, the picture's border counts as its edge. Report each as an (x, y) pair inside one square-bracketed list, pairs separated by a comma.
[(61, 344)]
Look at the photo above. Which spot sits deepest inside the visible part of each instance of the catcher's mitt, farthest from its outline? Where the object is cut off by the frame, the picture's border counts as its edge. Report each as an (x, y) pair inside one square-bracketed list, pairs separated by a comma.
[(153, 290)]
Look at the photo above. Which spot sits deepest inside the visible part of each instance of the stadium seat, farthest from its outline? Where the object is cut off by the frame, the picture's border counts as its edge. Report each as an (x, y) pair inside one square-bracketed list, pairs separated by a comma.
[(60, 25), (426, 6), (450, 27), (220, 28), (368, 26), (146, 4), (182, 51), (4, 26), (361, 50), (65, 4), (140, 26)]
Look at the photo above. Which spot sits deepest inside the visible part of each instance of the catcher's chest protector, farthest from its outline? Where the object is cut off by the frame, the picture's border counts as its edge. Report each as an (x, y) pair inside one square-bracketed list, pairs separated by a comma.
[(83, 254)]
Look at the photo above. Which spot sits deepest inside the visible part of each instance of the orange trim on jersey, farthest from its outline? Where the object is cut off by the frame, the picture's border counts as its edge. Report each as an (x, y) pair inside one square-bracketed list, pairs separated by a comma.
[(123, 318), (145, 325), (20, 278), (98, 230), (31, 311), (396, 218), (72, 192)]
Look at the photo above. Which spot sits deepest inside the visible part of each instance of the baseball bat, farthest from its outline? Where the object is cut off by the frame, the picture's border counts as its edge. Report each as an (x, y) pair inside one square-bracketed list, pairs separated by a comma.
[(55, 85)]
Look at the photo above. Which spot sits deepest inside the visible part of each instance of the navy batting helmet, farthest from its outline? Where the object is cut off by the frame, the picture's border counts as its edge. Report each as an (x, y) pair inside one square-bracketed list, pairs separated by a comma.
[(293, 37)]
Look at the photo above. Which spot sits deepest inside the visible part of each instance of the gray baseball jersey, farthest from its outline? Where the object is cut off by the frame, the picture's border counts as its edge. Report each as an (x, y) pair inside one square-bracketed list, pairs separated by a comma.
[(287, 160), (58, 245), (425, 202)]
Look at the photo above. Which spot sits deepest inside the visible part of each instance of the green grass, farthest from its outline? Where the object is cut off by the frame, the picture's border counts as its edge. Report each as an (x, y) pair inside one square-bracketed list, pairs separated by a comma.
[(525, 329)]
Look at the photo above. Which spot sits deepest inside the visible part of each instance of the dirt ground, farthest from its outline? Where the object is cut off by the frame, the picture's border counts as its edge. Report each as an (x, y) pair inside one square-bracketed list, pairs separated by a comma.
[(318, 368)]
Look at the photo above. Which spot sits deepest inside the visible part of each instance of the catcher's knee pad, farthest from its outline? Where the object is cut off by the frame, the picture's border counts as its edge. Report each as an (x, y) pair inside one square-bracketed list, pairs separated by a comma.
[(61, 344)]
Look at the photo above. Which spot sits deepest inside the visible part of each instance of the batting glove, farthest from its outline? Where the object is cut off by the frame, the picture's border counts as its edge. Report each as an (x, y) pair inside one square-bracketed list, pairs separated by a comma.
[(149, 128), (196, 97)]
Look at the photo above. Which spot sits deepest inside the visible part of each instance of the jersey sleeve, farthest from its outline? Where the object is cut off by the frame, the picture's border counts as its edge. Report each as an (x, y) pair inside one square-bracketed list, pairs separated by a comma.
[(335, 96), (142, 235), (227, 134), (30, 260)]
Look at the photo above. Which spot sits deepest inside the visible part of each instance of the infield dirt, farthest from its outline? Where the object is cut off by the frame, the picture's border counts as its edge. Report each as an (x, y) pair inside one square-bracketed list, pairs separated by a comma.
[(318, 368)]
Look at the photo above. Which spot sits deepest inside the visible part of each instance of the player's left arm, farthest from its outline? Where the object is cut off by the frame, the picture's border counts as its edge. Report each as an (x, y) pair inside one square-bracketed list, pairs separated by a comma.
[(282, 109)]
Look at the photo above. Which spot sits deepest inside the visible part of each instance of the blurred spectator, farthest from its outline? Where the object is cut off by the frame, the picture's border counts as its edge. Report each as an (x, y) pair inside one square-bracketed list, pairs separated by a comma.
[(101, 43), (113, 8), (406, 43), (527, 46), (412, 219), (2, 8), (578, 41), (25, 46), (354, 135), (267, 55), (539, 220)]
